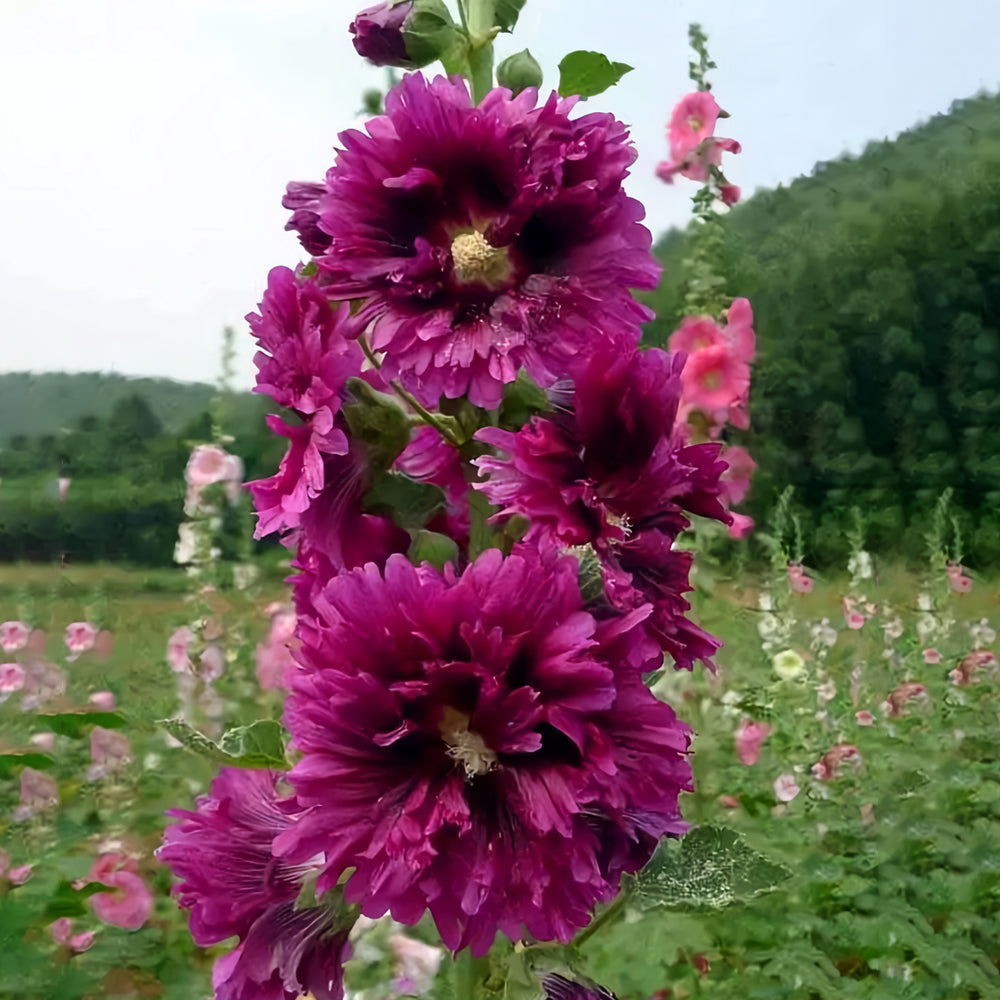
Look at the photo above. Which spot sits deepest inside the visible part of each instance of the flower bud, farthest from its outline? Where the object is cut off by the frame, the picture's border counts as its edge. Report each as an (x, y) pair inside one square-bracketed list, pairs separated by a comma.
[(519, 71), (406, 34)]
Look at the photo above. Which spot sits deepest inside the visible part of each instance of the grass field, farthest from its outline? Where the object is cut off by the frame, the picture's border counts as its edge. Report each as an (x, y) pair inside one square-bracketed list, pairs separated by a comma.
[(895, 887)]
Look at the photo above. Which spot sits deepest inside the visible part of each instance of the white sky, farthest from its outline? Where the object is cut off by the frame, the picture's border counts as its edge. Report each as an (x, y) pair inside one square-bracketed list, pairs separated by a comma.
[(144, 147)]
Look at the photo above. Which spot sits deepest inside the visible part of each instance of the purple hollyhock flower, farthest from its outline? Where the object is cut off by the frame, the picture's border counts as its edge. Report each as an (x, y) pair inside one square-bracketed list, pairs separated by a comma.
[(560, 988), (472, 745), (615, 474), (302, 197), (485, 239), (308, 349), (378, 34), (234, 886)]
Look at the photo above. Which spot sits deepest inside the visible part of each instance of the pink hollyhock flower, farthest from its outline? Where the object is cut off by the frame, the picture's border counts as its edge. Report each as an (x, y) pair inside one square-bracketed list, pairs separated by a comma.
[(302, 197), (38, 794), (559, 988), (62, 933), (693, 120), (233, 885), (960, 584), (615, 474), (463, 737), (785, 787), (486, 238), (43, 681), (178, 650), (837, 760), (11, 679), (729, 802), (797, 579), (978, 660), (729, 193), (750, 738), (714, 378), (741, 526), (212, 663), (906, 692), (931, 656), (696, 333), (736, 478), (852, 616), (738, 330), (104, 701), (864, 718), (131, 902), (378, 34), (13, 876), (44, 741), (64, 482), (110, 751), (210, 464), (14, 636), (80, 637)]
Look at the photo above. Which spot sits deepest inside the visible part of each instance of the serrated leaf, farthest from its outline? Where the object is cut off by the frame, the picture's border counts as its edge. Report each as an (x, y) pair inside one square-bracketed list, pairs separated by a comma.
[(432, 547), (73, 724), (376, 419), (258, 748), (709, 868), (587, 74), (506, 13), (409, 503)]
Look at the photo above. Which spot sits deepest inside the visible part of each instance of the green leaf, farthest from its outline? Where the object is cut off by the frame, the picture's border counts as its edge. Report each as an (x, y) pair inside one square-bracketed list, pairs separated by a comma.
[(377, 420), (75, 724), (429, 33), (482, 535), (589, 575), (588, 73), (260, 745), (709, 868), (11, 761), (432, 547), (506, 13), (522, 399), (70, 902), (409, 503)]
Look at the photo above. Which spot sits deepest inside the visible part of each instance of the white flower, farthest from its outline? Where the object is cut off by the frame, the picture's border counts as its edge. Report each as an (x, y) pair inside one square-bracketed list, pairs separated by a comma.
[(187, 544), (788, 664)]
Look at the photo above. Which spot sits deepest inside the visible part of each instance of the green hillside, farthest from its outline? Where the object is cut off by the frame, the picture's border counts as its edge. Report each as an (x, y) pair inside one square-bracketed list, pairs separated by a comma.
[(34, 403), (876, 288)]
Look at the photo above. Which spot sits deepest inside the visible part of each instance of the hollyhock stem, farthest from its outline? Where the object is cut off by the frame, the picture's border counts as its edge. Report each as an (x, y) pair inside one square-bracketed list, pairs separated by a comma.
[(477, 16), (425, 415), (613, 911)]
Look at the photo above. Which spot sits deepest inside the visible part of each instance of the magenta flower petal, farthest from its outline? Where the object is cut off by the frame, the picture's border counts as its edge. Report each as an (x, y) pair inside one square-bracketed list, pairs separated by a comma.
[(485, 239)]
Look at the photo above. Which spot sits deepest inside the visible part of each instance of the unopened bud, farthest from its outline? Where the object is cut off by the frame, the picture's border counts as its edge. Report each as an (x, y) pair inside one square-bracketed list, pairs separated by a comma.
[(519, 71)]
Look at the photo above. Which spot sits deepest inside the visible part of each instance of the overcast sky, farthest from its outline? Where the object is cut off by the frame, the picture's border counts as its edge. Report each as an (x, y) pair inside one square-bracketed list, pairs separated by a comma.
[(144, 147)]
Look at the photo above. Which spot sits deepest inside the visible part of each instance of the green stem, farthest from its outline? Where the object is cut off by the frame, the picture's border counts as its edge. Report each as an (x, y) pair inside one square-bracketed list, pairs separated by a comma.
[(481, 68), (425, 415), (478, 21), (611, 913)]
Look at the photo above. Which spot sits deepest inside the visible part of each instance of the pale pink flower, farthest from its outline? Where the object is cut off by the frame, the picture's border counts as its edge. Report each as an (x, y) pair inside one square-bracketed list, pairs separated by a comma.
[(864, 718), (80, 637), (854, 618), (906, 692), (43, 681), (416, 963), (976, 661), (14, 636), (837, 760), (62, 933), (957, 581), (14, 876), (44, 741), (38, 793), (729, 802), (931, 656), (213, 663), (797, 579), (736, 478), (131, 902), (110, 751), (750, 737), (64, 482), (209, 464), (785, 787), (103, 701), (11, 679), (178, 646), (739, 330), (742, 525)]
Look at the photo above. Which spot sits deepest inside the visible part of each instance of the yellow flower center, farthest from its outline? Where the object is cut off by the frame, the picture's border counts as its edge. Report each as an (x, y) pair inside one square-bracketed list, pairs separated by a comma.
[(476, 261), (711, 380), (464, 745)]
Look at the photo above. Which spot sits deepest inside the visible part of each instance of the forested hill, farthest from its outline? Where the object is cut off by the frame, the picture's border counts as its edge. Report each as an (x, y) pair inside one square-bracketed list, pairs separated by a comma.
[(875, 283), (35, 404)]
